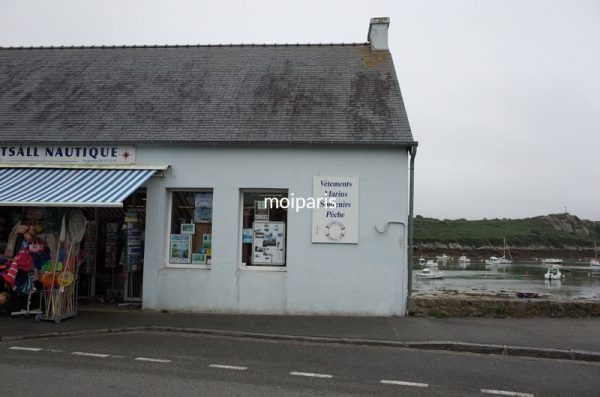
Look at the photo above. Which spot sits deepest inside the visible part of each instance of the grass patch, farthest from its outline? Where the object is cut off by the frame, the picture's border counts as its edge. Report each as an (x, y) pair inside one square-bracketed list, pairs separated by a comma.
[(558, 230)]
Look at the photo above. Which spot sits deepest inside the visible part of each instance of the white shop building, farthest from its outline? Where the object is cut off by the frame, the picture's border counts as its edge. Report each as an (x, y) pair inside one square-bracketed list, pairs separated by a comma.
[(185, 143)]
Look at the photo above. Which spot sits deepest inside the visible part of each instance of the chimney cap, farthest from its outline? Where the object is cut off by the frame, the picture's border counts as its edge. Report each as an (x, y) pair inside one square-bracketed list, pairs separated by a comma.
[(377, 35), (385, 20)]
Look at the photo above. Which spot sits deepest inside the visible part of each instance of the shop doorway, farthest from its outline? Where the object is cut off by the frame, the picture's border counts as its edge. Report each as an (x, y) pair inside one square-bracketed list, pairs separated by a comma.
[(115, 243), (112, 251)]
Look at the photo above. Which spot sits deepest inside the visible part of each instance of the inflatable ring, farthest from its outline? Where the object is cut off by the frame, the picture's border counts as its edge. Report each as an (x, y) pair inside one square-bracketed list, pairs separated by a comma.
[(47, 266), (65, 278), (47, 280)]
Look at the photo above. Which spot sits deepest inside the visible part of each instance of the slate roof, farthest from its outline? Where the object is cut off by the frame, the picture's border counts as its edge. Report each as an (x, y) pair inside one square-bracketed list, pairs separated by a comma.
[(239, 94)]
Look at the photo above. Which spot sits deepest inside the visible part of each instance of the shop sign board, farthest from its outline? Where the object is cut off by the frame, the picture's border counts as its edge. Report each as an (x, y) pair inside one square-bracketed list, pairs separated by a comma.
[(53, 154), (335, 224)]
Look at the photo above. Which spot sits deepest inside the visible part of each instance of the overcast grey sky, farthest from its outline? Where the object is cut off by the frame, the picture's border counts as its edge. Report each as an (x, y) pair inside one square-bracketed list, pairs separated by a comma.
[(503, 96)]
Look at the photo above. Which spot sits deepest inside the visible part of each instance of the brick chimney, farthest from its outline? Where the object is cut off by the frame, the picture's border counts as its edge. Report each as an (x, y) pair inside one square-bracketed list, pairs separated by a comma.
[(378, 33)]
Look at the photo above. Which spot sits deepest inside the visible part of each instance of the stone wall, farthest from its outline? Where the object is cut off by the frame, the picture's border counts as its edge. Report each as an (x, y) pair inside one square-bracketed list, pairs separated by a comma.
[(466, 306)]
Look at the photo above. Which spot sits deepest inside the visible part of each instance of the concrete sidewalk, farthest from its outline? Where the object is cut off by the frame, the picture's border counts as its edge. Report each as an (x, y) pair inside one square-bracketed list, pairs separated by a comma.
[(533, 333)]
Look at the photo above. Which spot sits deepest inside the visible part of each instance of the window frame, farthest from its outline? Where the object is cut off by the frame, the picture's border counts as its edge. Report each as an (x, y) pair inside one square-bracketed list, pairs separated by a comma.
[(260, 268), (168, 264)]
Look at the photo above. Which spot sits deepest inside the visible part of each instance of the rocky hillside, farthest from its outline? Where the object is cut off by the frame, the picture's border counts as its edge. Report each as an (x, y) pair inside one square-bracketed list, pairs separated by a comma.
[(554, 231)]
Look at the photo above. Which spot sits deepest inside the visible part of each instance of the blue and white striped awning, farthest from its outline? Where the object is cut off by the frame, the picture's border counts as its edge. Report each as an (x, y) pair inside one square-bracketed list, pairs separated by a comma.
[(69, 187)]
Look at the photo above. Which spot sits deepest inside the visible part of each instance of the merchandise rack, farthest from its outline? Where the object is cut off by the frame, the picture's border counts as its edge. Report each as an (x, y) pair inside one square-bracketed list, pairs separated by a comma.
[(59, 302)]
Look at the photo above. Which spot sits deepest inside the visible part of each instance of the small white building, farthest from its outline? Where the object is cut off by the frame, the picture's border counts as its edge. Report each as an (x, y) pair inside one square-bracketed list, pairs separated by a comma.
[(202, 135)]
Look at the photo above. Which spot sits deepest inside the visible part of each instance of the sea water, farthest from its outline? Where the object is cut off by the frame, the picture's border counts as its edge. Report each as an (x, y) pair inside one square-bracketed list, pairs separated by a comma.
[(580, 280)]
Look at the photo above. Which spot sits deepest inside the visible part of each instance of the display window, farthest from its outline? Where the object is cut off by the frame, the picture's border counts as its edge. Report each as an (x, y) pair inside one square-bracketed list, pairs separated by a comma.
[(264, 228), (190, 238)]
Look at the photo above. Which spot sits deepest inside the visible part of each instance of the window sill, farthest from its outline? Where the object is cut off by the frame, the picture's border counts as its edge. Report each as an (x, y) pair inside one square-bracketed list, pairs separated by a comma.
[(263, 268), (186, 266)]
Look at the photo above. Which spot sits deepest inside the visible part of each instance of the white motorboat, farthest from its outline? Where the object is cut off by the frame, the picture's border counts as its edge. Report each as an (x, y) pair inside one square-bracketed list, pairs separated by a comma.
[(498, 261), (553, 273), (463, 259), (431, 264), (430, 274), (552, 261), (443, 259), (421, 261), (502, 260)]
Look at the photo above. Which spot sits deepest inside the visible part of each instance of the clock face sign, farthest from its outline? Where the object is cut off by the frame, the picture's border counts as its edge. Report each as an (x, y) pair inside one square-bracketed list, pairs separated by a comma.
[(335, 231)]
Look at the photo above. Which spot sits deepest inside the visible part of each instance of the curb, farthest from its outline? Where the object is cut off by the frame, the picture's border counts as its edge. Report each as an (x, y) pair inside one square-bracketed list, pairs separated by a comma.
[(463, 347), (98, 331)]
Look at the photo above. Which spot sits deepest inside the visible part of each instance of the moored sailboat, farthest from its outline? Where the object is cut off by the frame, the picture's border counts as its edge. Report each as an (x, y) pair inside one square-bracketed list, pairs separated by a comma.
[(502, 260)]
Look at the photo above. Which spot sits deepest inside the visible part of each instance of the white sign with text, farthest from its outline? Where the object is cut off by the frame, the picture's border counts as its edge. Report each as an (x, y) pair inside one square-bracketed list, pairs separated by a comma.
[(336, 224), (57, 154)]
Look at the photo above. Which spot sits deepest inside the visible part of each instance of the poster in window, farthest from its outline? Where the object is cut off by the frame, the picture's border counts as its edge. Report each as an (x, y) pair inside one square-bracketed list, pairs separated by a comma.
[(207, 244), (199, 259), (203, 208), (207, 241), (188, 228), (135, 252), (261, 210), (180, 249), (246, 236), (112, 238), (203, 200), (203, 215), (131, 216), (268, 246)]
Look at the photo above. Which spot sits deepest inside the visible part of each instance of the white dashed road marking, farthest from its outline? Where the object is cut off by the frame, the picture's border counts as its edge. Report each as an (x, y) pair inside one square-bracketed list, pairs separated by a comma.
[(312, 375), (506, 393), (402, 383), (233, 367), (152, 360), (98, 355), (240, 368), (29, 349)]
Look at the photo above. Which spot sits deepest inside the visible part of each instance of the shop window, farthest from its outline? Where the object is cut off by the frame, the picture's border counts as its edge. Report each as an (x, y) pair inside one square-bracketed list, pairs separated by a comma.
[(264, 228), (190, 240)]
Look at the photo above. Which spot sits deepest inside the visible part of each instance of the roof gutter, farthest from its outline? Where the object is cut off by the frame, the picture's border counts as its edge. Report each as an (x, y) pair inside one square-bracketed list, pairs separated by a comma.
[(412, 151), (208, 143)]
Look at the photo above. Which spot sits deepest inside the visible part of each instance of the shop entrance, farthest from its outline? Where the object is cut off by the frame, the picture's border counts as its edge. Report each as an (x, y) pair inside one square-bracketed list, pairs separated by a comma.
[(73, 231), (110, 255), (114, 243)]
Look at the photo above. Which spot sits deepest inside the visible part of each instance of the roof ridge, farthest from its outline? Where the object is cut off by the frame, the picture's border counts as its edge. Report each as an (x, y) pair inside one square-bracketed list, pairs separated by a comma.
[(125, 46)]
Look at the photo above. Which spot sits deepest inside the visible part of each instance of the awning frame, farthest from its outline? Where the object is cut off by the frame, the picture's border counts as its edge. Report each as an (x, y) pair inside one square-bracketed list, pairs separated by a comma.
[(88, 166)]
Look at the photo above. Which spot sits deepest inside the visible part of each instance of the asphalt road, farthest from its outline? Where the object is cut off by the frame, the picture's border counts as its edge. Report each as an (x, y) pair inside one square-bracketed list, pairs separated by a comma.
[(167, 364)]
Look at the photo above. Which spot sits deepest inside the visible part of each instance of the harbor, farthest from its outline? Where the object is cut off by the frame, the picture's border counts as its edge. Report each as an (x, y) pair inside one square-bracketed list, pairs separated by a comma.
[(579, 281)]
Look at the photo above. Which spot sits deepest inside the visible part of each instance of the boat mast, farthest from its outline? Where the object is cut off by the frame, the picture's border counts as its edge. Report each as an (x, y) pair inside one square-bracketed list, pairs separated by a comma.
[(506, 249)]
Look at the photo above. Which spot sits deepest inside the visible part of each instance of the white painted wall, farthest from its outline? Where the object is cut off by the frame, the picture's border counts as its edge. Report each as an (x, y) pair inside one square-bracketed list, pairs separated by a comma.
[(368, 278)]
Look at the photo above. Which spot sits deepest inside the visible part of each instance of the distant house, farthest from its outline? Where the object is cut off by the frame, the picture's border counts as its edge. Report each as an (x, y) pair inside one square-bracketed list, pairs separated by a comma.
[(171, 151)]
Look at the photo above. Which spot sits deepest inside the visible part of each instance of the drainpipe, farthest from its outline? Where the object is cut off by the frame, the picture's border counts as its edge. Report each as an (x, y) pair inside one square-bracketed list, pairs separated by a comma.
[(412, 150)]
